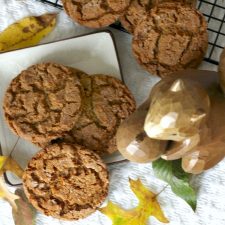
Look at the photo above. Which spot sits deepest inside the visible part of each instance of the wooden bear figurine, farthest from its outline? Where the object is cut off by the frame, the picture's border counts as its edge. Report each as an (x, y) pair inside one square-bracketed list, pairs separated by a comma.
[(184, 117)]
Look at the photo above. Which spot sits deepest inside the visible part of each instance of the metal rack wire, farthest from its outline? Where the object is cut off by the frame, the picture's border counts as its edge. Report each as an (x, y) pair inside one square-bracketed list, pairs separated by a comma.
[(213, 10)]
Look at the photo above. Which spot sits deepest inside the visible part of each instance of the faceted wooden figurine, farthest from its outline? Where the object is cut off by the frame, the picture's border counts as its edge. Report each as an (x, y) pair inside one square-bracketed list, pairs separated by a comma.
[(184, 117)]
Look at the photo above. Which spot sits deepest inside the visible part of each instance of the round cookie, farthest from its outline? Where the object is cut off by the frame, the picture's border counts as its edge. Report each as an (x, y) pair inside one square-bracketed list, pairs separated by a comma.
[(139, 9), (95, 13), (43, 102), (107, 103), (173, 37), (66, 181)]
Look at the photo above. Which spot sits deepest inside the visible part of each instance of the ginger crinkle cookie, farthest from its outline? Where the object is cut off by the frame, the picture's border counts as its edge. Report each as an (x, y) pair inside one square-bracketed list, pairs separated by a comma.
[(139, 9), (172, 37), (66, 181), (95, 13), (43, 102), (107, 103)]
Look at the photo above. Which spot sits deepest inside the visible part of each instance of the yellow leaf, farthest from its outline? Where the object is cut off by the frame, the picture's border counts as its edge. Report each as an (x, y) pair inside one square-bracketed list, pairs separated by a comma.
[(26, 32), (8, 196), (8, 164), (148, 206)]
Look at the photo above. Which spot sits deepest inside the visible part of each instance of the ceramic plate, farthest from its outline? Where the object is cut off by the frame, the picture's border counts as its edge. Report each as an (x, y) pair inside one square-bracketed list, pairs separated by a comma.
[(92, 53)]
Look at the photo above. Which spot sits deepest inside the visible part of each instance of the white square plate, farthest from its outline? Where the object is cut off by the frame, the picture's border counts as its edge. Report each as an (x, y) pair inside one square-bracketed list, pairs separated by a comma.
[(92, 53)]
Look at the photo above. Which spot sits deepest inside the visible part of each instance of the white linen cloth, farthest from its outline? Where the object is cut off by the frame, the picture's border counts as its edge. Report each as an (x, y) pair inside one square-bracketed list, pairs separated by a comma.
[(210, 185)]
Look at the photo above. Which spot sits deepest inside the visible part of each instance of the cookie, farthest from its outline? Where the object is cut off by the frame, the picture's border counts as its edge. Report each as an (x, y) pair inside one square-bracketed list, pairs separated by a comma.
[(139, 9), (172, 37), (107, 102), (66, 181), (135, 13), (95, 13), (187, 2), (222, 70), (43, 102)]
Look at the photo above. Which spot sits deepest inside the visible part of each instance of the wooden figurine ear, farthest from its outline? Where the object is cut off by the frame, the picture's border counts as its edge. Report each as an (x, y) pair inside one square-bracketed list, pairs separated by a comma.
[(178, 85), (132, 141)]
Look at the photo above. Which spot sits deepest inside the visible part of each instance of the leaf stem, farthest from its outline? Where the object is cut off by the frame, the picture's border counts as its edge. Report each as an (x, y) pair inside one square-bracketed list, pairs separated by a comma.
[(14, 147), (161, 191)]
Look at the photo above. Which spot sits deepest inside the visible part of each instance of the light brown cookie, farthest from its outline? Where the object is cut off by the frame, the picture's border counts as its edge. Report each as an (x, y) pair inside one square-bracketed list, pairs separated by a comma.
[(95, 13), (43, 102), (66, 181), (136, 12), (187, 2), (139, 9), (222, 70), (108, 102), (172, 37)]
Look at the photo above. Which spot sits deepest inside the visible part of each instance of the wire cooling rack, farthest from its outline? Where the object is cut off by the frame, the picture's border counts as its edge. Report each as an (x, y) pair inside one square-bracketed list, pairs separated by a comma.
[(213, 10)]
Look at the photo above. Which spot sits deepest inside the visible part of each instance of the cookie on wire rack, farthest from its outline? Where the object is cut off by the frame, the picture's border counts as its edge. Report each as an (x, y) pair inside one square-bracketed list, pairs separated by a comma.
[(95, 14), (172, 37)]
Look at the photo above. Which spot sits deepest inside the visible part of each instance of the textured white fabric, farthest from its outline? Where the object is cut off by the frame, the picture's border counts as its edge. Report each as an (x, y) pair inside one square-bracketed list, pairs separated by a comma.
[(210, 185)]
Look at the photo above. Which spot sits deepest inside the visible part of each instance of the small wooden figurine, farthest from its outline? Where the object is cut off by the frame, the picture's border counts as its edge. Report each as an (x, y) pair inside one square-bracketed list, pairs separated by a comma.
[(184, 117)]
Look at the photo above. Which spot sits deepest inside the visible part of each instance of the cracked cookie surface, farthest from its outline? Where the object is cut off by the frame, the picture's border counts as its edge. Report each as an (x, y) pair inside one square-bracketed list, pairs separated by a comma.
[(135, 13), (186, 2), (95, 13), (43, 102), (107, 103), (66, 181), (139, 9), (172, 37)]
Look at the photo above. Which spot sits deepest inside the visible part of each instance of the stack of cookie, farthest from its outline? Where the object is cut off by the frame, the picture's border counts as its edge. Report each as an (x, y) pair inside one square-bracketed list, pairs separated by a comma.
[(168, 36), (74, 118)]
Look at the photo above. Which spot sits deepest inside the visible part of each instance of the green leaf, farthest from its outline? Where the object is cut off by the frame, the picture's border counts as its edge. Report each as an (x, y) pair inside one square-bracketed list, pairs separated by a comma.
[(173, 174), (25, 213)]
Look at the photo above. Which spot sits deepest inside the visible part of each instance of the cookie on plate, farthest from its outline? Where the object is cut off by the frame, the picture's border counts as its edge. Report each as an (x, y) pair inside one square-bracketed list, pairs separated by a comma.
[(107, 102), (172, 37), (66, 181), (95, 13), (43, 102), (139, 9)]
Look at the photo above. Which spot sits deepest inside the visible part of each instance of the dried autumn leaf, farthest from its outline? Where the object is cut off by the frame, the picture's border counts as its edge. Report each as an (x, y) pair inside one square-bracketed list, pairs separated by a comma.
[(25, 213), (8, 196), (148, 206), (26, 32), (172, 173), (8, 164)]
